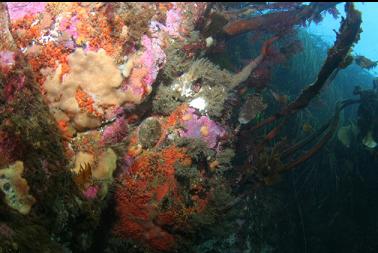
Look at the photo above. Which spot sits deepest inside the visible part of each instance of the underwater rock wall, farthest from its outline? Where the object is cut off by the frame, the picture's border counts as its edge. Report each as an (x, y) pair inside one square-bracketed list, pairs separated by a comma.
[(94, 64), (113, 112)]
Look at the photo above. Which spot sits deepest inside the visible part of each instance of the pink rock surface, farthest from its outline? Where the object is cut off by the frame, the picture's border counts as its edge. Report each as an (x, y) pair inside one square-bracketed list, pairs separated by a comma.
[(173, 21), (153, 58), (172, 25), (7, 58), (18, 10), (70, 26)]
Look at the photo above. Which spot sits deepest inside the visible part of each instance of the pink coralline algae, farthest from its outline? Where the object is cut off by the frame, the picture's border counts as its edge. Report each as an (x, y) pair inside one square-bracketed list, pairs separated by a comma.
[(115, 132), (70, 26), (18, 10), (7, 61), (201, 127), (146, 68), (173, 21), (153, 58)]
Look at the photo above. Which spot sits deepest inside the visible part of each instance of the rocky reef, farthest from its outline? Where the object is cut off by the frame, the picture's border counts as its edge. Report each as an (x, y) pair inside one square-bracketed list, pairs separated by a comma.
[(118, 131)]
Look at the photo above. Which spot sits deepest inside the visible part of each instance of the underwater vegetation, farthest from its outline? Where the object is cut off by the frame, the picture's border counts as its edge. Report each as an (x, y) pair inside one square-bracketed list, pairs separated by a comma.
[(152, 127)]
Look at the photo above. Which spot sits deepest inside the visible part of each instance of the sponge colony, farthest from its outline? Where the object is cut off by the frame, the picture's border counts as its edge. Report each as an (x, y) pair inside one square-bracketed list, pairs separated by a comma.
[(16, 188), (96, 75)]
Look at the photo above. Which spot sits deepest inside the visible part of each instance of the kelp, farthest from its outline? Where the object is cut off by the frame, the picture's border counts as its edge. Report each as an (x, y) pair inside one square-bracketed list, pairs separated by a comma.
[(348, 35), (277, 21)]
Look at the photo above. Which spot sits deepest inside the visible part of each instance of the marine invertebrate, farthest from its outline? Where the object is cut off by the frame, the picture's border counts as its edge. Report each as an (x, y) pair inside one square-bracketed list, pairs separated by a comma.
[(166, 100), (89, 89), (85, 102), (103, 172), (91, 192), (177, 61), (196, 148), (176, 116), (201, 127), (137, 18), (44, 59), (149, 200), (204, 69), (83, 177), (105, 166), (150, 132), (212, 101), (79, 49), (251, 107), (16, 188), (197, 84), (209, 75), (92, 172)]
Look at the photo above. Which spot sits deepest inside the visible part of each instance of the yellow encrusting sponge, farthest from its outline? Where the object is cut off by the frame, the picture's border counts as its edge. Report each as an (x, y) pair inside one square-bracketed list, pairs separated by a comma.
[(16, 188)]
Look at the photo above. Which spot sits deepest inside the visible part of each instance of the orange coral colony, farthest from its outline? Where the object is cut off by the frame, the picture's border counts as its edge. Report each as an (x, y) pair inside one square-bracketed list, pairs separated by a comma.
[(149, 199)]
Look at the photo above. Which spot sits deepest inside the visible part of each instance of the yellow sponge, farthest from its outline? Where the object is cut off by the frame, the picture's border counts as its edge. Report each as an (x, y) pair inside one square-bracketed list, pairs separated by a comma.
[(16, 188)]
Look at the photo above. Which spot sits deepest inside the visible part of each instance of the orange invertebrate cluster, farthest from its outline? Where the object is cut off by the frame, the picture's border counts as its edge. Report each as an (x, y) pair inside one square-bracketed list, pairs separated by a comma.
[(64, 128), (102, 37), (32, 31), (164, 7), (149, 199), (40, 56), (96, 30), (86, 102), (176, 116), (49, 56), (90, 143), (24, 32)]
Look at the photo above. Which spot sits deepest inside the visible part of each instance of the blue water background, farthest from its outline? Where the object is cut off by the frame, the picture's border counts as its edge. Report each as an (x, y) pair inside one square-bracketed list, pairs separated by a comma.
[(368, 43)]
